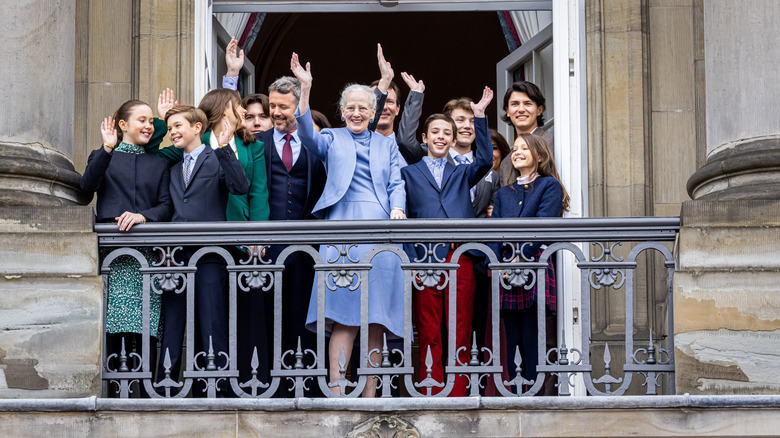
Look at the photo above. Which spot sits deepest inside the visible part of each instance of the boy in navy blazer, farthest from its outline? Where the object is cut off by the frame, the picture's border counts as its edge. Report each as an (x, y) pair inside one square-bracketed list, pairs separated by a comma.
[(199, 192), (438, 189)]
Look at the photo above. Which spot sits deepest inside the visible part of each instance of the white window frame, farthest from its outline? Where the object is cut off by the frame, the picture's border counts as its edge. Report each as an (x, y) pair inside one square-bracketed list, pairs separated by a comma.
[(569, 99)]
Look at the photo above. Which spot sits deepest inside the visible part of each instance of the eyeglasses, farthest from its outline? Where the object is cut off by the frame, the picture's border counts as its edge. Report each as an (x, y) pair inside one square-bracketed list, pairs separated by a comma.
[(352, 109)]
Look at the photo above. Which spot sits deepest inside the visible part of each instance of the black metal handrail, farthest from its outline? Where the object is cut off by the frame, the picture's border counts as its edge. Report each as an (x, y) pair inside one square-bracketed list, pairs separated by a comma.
[(394, 231), (251, 273)]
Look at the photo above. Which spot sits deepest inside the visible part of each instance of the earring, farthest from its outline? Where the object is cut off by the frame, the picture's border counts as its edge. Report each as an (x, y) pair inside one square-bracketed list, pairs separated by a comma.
[(371, 120), (342, 118)]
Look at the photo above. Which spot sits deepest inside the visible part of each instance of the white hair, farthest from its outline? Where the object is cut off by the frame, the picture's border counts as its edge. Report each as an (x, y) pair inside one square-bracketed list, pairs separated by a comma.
[(357, 87)]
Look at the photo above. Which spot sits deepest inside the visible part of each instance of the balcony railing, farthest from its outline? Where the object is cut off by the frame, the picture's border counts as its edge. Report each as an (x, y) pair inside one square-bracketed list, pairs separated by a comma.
[(593, 256)]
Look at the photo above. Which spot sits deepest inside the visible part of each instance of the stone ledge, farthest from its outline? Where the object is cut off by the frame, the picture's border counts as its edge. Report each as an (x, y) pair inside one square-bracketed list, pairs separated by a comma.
[(747, 171), (662, 416), (36, 175), (731, 214), (47, 219), (90, 404)]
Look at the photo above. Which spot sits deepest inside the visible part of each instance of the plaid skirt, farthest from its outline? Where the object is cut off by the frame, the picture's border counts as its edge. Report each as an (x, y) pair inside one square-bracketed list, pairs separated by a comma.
[(520, 298)]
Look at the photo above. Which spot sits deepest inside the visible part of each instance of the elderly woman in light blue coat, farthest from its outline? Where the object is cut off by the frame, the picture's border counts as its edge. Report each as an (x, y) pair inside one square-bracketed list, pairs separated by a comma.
[(356, 188)]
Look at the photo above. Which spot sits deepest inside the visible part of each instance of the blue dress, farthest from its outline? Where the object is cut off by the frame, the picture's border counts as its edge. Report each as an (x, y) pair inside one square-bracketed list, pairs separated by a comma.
[(385, 279)]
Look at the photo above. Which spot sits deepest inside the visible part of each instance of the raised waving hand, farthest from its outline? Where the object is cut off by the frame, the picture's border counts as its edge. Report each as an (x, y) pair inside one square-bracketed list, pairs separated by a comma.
[(385, 70), (479, 107), (303, 75), (108, 132), (234, 58), (165, 102), (413, 84)]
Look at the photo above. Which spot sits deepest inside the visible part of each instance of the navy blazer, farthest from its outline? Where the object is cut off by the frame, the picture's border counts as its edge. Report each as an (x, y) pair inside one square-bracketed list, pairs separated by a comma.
[(541, 198), (424, 198), (413, 151), (137, 183), (216, 172), (315, 172)]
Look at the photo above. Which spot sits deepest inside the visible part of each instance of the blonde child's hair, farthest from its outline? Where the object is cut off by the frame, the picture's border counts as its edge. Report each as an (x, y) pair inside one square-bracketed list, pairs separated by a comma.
[(190, 114)]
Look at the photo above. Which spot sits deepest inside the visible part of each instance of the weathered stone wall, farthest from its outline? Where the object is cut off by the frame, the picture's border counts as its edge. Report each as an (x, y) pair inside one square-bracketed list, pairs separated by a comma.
[(727, 286), (50, 303), (527, 417), (128, 50), (643, 144), (36, 118), (727, 298)]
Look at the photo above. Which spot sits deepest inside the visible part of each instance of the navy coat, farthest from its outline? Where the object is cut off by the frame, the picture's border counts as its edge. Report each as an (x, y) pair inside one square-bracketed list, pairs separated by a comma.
[(137, 183), (216, 172), (424, 198), (541, 198)]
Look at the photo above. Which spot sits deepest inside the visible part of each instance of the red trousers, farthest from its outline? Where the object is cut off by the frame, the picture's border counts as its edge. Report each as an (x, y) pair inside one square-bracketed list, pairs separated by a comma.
[(429, 304)]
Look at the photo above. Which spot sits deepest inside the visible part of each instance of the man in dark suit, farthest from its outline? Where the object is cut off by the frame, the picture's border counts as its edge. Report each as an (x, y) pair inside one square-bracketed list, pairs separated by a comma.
[(295, 182), (199, 192), (439, 189)]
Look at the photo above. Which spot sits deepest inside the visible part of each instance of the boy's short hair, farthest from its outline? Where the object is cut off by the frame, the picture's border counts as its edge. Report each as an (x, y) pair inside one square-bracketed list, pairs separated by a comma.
[(262, 99), (439, 116), (463, 103), (190, 114)]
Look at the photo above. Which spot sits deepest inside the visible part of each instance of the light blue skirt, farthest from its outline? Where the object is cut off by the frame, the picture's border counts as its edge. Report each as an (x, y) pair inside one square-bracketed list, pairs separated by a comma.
[(385, 279)]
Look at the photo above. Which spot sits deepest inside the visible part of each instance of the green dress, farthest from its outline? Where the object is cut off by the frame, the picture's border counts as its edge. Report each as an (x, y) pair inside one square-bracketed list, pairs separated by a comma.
[(124, 312)]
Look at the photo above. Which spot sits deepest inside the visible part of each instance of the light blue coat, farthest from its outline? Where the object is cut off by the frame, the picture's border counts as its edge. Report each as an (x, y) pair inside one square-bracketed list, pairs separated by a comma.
[(340, 161)]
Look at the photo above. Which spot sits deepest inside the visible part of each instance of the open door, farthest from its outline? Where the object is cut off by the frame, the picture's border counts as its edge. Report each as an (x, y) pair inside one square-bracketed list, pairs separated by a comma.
[(549, 51)]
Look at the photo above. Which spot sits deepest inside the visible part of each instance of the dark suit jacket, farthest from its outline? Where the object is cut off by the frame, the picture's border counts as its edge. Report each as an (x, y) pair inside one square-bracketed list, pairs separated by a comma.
[(485, 192), (413, 151), (128, 182), (251, 206), (424, 198), (542, 198), (216, 172), (315, 172)]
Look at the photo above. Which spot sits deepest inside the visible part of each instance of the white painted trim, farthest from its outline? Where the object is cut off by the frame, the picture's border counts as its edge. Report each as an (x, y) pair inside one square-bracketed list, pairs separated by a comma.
[(510, 63), (378, 5), (571, 150), (204, 49)]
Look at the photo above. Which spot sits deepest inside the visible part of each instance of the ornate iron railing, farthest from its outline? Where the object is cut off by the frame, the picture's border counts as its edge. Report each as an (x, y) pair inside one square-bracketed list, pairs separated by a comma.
[(570, 240)]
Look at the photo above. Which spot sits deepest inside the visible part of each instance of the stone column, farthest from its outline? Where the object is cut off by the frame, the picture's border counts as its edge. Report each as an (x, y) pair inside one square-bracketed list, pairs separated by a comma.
[(50, 295), (727, 285), (36, 118), (742, 95)]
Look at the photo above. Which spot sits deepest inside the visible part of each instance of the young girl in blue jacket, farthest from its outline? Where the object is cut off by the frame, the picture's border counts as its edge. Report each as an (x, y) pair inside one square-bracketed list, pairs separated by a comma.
[(537, 191)]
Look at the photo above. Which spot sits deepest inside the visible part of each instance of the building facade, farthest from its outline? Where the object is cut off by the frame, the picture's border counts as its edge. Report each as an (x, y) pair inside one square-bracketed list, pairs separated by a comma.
[(669, 107)]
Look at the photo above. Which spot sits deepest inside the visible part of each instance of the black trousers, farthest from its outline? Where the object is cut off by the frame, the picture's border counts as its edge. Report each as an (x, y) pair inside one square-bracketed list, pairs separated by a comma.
[(522, 334), (256, 322), (210, 316)]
